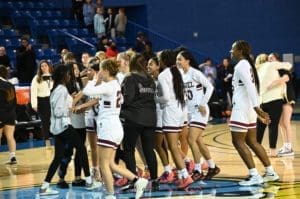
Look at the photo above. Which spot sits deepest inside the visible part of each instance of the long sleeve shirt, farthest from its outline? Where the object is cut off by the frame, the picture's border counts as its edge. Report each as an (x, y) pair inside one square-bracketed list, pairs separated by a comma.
[(60, 103), (41, 89), (267, 73)]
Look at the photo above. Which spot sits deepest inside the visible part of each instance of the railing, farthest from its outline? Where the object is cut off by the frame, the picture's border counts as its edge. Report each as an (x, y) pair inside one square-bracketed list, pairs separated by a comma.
[(159, 41)]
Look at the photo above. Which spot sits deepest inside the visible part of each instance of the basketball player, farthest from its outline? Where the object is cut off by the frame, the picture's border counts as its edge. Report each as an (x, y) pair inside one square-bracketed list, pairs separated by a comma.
[(109, 128), (198, 112), (244, 113)]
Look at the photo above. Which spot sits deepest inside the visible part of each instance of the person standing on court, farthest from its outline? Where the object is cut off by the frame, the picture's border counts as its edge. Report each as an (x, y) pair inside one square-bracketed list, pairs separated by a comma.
[(40, 89), (244, 114), (8, 103)]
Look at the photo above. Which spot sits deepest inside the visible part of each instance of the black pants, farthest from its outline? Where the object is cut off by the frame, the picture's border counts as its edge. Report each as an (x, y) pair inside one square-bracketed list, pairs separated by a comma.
[(71, 139), (131, 133), (81, 133), (44, 114), (274, 109)]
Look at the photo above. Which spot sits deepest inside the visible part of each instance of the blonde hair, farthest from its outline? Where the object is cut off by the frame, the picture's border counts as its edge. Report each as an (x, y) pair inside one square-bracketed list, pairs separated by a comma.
[(101, 55), (260, 59)]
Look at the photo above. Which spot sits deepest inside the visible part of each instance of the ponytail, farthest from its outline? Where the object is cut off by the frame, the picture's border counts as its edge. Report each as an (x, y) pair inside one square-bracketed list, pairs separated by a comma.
[(256, 80), (178, 85)]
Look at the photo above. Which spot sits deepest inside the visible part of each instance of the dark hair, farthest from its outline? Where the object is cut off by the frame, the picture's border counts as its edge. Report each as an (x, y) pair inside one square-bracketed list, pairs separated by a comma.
[(39, 71), (3, 72), (111, 65), (10, 94), (59, 75), (94, 63), (189, 56), (245, 49), (277, 56), (155, 59), (179, 49), (168, 59), (138, 63), (72, 84)]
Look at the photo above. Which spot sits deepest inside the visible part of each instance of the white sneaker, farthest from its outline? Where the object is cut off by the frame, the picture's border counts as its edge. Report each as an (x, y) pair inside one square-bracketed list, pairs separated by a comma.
[(47, 192), (110, 197), (252, 180), (270, 177), (285, 152), (93, 185), (140, 186)]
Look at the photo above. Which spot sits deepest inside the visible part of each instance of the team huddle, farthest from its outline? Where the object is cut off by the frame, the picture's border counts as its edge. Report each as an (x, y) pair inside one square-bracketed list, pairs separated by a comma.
[(157, 105)]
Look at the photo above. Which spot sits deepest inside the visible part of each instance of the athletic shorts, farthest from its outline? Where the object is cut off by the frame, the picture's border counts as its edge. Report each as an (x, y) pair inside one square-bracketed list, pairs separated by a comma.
[(242, 120), (196, 119), (109, 132), (7, 119), (172, 118)]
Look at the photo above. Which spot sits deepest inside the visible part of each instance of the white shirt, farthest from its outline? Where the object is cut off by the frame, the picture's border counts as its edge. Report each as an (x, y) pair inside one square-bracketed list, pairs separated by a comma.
[(41, 89), (244, 90), (166, 93), (111, 98), (194, 83)]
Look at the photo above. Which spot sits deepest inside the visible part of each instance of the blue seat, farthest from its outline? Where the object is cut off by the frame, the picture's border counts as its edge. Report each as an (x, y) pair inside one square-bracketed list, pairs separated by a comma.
[(49, 52), (39, 53), (36, 14)]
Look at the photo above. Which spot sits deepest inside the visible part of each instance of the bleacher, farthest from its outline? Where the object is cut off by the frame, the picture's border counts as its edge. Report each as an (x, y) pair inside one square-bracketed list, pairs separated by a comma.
[(43, 20)]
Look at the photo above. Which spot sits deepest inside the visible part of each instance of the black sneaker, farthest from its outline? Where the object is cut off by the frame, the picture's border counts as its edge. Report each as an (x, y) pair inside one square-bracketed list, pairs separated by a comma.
[(78, 183), (155, 185), (127, 187), (12, 160), (212, 172), (62, 185)]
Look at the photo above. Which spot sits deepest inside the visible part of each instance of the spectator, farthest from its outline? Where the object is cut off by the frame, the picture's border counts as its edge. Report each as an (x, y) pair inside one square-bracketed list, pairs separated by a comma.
[(77, 9), (209, 70), (103, 43), (99, 23), (225, 72), (120, 23), (141, 39), (4, 59), (112, 50), (41, 86), (148, 53), (88, 14), (8, 113), (110, 23), (26, 64)]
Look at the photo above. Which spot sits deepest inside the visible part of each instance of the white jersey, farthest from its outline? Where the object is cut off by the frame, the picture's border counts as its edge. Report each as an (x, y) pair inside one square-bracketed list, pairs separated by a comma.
[(166, 93), (111, 98), (91, 114), (194, 84), (245, 95)]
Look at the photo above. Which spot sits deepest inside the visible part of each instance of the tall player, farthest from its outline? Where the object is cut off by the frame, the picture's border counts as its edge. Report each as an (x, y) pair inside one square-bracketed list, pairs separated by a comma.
[(244, 113)]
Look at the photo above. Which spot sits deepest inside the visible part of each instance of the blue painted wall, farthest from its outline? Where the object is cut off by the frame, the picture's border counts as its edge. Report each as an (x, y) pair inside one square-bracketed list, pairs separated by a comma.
[(269, 25)]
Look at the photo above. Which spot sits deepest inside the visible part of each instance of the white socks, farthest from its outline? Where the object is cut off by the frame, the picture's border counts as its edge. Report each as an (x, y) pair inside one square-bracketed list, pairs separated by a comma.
[(211, 163), (88, 180), (45, 185), (253, 172), (167, 168), (12, 154)]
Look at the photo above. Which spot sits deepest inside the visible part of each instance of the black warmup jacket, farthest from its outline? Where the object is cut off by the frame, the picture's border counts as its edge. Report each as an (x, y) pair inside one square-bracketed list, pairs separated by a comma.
[(139, 106)]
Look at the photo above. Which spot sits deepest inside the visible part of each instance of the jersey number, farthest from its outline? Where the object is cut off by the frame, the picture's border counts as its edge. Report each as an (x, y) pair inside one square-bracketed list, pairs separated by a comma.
[(118, 102), (189, 94)]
